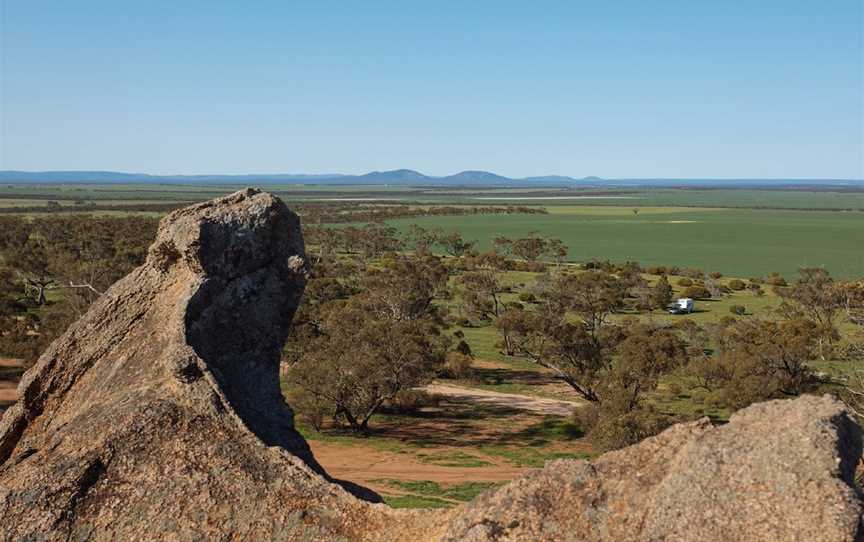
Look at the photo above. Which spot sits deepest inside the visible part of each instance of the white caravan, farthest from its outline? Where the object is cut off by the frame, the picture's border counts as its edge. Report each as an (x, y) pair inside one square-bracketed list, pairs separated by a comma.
[(683, 305)]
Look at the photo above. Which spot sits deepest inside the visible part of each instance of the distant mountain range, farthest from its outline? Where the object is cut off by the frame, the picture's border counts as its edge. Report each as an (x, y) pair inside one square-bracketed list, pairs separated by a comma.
[(400, 177)]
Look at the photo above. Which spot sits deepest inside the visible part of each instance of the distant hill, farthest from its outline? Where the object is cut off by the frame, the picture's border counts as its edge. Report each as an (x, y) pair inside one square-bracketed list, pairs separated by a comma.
[(469, 178), (410, 177), (395, 176)]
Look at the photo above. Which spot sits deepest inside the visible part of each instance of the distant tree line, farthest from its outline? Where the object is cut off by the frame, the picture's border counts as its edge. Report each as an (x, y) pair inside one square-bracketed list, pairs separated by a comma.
[(51, 269), (312, 212)]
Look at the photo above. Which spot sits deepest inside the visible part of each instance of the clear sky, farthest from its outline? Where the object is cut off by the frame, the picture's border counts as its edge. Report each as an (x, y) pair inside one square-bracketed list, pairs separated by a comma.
[(624, 88)]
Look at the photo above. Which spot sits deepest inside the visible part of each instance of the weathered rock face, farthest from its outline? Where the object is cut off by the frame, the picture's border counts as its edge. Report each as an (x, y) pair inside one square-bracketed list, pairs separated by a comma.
[(159, 413), (158, 416), (780, 470)]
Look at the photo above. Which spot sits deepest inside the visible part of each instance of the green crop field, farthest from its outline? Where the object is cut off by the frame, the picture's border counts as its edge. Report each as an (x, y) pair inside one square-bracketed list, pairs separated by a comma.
[(738, 242), (548, 197), (739, 232)]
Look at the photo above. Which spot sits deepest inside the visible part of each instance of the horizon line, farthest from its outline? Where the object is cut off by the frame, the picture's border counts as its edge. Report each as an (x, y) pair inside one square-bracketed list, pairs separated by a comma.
[(479, 171)]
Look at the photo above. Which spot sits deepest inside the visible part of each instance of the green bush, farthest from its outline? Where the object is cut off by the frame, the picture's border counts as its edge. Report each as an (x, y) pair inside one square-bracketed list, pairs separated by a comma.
[(531, 267), (774, 279), (464, 348), (737, 285), (311, 409), (674, 389), (456, 366), (739, 310), (685, 282), (696, 292), (611, 429), (410, 401), (693, 273), (527, 297)]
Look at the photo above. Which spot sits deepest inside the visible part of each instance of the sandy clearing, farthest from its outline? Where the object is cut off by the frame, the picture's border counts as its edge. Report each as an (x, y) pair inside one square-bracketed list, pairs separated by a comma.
[(360, 463), (510, 400)]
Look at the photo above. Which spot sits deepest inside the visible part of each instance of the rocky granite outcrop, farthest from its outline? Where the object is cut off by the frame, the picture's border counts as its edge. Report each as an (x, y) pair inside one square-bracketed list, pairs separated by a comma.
[(780, 470), (158, 416)]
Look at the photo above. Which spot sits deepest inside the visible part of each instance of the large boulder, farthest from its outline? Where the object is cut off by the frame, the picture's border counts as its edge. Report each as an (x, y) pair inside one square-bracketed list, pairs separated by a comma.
[(158, 416), (781, 470)]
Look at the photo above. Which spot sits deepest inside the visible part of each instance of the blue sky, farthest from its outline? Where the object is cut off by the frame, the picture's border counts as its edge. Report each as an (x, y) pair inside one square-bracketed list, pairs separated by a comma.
[(665, 88)]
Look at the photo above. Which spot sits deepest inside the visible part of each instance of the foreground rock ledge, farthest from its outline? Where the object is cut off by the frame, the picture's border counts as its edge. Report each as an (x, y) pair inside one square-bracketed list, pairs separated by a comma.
[(158, 416)]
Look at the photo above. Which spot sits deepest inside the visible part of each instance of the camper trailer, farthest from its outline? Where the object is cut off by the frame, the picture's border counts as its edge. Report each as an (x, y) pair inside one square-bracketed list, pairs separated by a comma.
[(683, 305)]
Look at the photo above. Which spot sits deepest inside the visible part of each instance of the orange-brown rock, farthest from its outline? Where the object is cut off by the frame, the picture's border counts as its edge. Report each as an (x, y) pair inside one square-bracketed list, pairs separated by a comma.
[(158, 416)]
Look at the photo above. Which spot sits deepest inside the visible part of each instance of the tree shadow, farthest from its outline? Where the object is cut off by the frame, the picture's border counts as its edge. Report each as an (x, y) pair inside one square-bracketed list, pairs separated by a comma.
[(466, 424), (498, 376)]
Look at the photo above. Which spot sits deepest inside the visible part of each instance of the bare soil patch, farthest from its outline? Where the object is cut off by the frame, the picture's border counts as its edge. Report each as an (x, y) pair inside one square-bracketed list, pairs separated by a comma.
[(10, 373), (365, 464), (554, 407)]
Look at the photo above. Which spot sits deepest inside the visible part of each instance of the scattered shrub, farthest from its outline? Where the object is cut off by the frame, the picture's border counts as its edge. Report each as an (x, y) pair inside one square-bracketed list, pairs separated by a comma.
[(715, 275), (697, 292), (411, 401), (774, 279), (527, 297), (610, 429), (673, 389), (464, 348), (693, 273), (738, 310), (311, 409), (685, 282), (457, 366), (531, 267), (737, 285)]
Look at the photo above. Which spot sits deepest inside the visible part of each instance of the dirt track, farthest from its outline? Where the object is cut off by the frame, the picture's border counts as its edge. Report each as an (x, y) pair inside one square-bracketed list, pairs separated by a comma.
[(7, 392), (539, 405), (8, 387), (364, 464)]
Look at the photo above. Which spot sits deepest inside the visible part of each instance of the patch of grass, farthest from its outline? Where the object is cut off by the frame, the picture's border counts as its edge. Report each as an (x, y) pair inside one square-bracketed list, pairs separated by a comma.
[(524, 456), (552, 428), (463, 492), (838, 369), (415, 501), (482, 341), (452, 459), (341, 438)]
